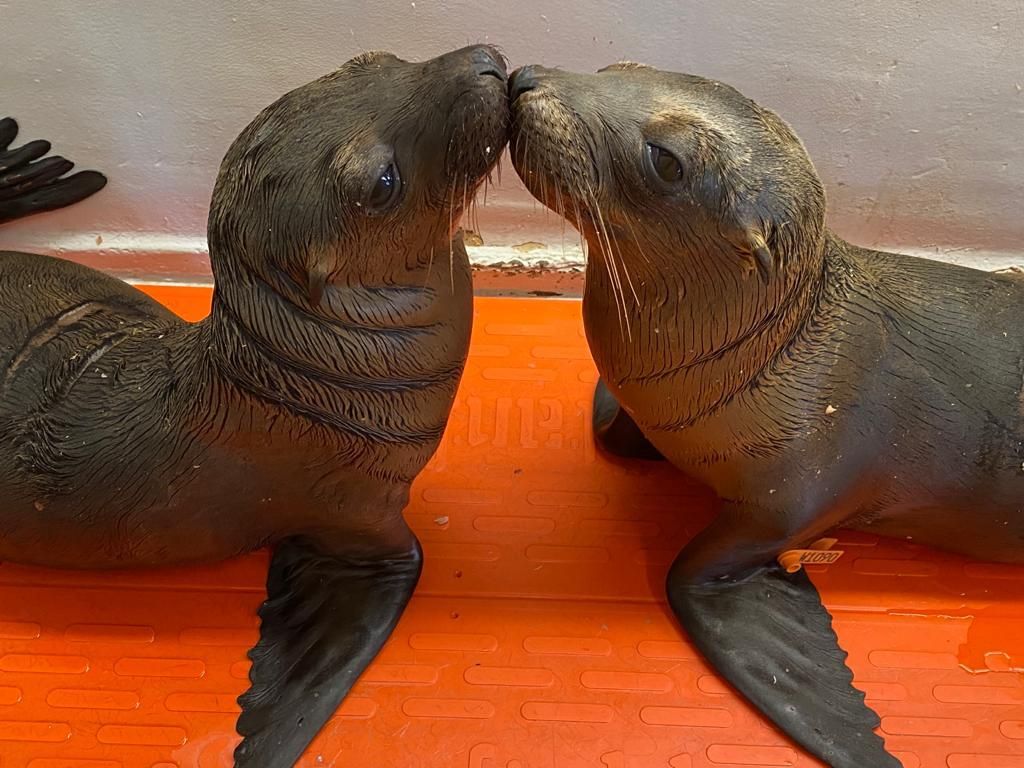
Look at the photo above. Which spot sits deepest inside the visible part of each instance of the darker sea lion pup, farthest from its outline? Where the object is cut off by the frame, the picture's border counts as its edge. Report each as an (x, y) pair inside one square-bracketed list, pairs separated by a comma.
[(298, 413), (810, 382), (31, 183)]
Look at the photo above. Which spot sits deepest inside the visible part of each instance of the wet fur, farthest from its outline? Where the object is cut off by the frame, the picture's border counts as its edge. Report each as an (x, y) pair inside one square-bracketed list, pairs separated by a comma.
[(300, 410), (831, 385)]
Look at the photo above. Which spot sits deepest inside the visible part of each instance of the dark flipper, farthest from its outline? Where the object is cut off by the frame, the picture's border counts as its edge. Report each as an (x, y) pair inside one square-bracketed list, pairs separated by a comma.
[(30, 185), (14, 183), (614, 430), (770, 636), (8, 130), (324, 620)]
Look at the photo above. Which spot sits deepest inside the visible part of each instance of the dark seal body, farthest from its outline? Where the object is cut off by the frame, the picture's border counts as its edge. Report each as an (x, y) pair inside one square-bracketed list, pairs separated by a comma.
[(811, 383), (298, 412), (895, 407), (129, 437)]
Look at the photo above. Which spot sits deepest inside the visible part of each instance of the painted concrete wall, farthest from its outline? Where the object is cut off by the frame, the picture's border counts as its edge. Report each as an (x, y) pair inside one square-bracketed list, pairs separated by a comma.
[(912, 110)]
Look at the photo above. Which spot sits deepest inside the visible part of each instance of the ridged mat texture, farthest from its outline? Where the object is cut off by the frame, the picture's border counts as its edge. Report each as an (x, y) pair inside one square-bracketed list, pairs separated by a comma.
[(539, 636)]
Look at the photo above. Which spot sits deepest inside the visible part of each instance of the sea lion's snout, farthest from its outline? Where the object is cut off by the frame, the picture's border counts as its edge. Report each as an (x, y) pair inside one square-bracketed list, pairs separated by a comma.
[(553, 147), (542, 83), (484, 64), (488, 62), (523, 80)]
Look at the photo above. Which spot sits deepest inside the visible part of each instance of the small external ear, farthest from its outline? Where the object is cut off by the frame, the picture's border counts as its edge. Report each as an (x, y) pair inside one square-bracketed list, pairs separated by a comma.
[(751, 242), (764, 259), (316, 280), (624, 65)]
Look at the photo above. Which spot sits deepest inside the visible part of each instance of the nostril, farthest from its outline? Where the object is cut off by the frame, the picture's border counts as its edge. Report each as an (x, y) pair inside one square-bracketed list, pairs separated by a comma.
[(488, 63), (523, 80)]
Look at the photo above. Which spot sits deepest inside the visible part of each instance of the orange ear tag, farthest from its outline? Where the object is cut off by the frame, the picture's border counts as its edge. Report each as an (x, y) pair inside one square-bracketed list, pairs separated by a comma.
[(819, 553)]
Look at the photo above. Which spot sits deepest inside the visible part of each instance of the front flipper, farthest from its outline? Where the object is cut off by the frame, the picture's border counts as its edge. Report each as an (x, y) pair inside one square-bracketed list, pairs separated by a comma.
[(324, 620), (29, 184), (770, 636), (617, 433)]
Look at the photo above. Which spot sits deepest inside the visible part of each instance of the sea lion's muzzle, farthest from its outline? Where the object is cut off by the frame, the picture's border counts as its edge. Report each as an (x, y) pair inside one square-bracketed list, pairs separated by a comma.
[(522, 81), (536, 80), (554, 151), (474, 61), (487, 62)]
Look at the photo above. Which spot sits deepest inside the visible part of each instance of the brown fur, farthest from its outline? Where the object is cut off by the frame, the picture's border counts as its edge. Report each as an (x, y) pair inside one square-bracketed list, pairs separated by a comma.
[(810, 382), (297, 413)]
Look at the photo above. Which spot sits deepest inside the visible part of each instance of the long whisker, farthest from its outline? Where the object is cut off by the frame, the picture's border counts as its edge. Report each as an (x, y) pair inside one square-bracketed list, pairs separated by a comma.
[(430, 264), (605, 256), (625, 268), (579, 225), (607, 247), (451, 259), (451, 212), (636, 239)]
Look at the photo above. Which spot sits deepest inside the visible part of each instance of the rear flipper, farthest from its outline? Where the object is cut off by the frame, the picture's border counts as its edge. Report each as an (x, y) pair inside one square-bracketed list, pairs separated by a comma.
[(769, 635), (30, 184), (324, 620), (615, 432)]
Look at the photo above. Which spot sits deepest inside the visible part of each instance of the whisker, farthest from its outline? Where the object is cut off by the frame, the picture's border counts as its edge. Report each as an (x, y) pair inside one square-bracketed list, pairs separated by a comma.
[(430, 262), (625, 270), (451, 226), (451, 259), (613, 262), (605, 257), (636, 239)]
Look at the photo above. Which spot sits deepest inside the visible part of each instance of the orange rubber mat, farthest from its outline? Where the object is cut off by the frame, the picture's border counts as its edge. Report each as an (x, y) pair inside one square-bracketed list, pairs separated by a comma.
[(538, 637)]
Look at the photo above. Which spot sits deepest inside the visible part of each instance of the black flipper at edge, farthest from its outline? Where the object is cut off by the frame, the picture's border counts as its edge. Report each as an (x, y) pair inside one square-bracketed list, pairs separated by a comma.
[(8, 130), (324, 620), (771, 637), (615, 432), (29, 184)]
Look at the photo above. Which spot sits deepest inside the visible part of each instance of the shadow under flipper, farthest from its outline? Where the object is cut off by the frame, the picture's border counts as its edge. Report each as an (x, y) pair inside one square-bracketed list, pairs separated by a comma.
[(615, 432), (32, 183), (325, 619)]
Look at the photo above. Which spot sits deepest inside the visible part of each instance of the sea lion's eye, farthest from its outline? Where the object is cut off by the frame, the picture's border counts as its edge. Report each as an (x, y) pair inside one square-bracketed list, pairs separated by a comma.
[(385, 189), (665, 164)]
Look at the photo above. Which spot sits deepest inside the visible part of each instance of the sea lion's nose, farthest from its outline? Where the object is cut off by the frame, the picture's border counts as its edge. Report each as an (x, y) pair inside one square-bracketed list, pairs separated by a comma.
[(523, 79), (489, 63)]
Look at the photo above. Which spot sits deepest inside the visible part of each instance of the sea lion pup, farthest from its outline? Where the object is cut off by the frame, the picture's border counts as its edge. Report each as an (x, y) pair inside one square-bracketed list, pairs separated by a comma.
[(811, 383), (31, 183), (300, 410)]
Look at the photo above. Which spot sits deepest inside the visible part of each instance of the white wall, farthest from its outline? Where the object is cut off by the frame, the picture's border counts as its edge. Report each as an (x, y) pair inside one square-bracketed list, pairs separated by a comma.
[(912, 109)]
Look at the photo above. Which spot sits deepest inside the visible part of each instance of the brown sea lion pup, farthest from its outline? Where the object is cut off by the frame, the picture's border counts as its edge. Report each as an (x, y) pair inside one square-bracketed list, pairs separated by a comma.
[(31, 182), (810, 382), (300, 410)]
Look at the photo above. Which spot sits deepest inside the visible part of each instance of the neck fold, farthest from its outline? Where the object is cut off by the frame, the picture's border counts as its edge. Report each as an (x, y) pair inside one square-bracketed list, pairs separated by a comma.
[(701, 329), (378, 363)]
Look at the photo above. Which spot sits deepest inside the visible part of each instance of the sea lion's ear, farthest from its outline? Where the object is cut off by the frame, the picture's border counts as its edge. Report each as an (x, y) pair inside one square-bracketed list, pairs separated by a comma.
[(761, 252), (316, 279), (624, 65), (752, 242)]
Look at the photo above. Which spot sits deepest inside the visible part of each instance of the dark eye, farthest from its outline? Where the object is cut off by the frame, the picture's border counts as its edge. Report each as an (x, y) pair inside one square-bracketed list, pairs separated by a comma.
[(385, 189), (665, 164)]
